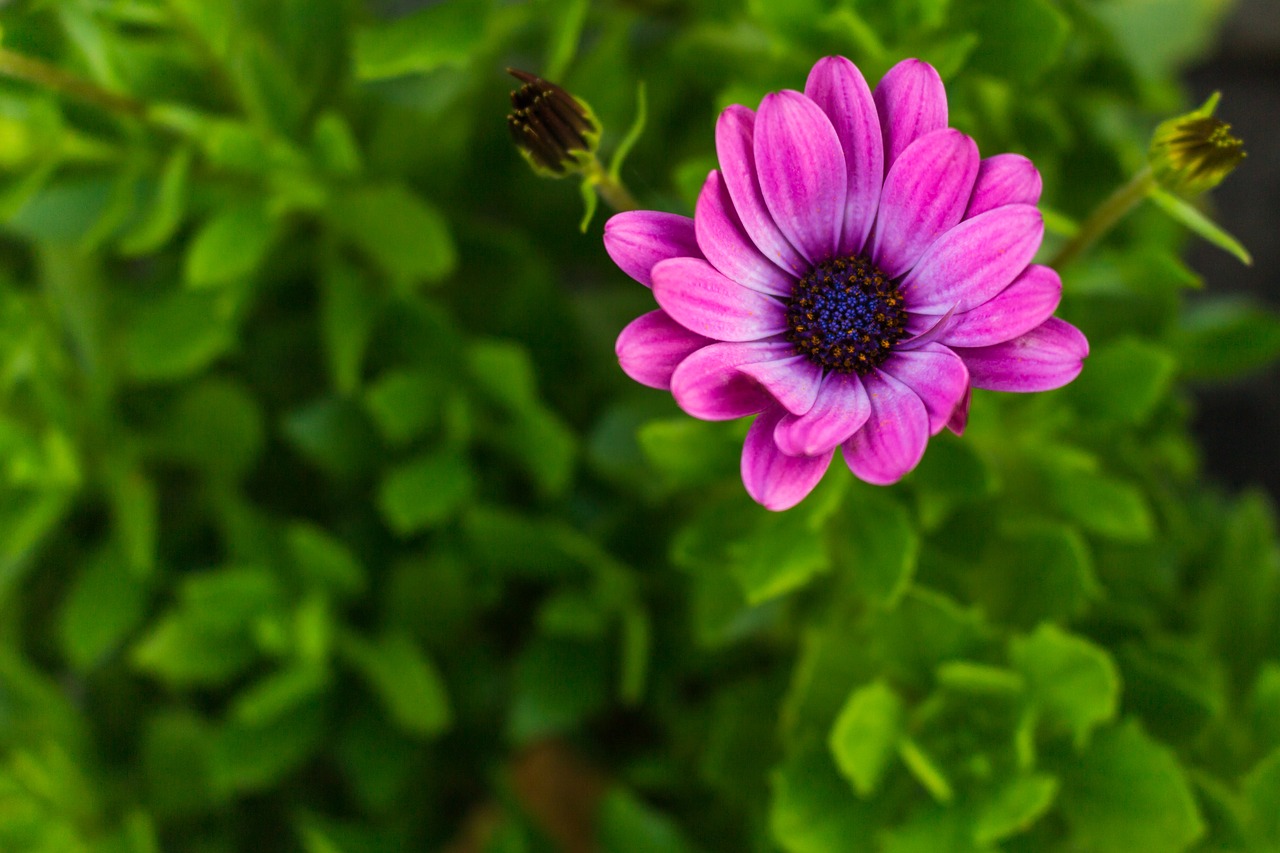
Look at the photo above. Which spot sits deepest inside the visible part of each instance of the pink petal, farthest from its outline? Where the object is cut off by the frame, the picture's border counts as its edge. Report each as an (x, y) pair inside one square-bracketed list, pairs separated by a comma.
[(1049, 356), (911, 101), (925, 328), (709, 386), (1019, 308), (960, 417), (936, 375), (638, 239), (893, 439), (837, 86), (735, 150), (924, 195), (793, 381), (704, 301), (652, 345), (775, 480), (726, 245), (841, 409), (1004, 179), (802, 172), (975, 260)]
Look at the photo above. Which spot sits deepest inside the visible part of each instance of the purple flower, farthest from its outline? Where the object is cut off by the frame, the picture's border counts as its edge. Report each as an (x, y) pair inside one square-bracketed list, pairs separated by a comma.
[(850, 272)]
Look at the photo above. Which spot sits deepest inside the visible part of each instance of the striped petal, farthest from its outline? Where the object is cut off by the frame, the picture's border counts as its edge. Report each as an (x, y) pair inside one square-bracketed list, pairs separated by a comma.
[(652, 345), (837, 86), (775, 480), (893, 439), (1047, 357), (924, 195), (726, 245), (639, 239), (802, 172), (735, 131), (704, 301), (912, 102)]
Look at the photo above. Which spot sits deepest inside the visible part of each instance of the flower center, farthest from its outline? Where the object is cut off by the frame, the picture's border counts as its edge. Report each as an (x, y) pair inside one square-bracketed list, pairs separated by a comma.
[(846, 315)]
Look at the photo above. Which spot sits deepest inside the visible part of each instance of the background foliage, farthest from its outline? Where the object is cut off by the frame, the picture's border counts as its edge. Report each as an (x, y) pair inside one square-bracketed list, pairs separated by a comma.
[(328, 523)]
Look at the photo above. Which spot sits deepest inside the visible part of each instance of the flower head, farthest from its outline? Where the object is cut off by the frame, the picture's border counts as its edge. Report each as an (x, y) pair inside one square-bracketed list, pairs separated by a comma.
[(851, 271), (1194, 152), (556, 132)]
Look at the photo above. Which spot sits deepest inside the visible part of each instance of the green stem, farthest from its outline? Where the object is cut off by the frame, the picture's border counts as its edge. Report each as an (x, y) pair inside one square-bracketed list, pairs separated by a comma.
[(610, 189), (41, 73), (1105, 216)]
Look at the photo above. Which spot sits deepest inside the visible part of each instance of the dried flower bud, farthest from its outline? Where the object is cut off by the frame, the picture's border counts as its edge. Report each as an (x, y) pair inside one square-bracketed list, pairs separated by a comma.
[(1194, 152), (556, 132)]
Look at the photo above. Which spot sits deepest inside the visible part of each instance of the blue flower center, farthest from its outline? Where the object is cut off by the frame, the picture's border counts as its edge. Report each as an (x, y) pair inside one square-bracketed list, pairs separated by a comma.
[(846, 315)]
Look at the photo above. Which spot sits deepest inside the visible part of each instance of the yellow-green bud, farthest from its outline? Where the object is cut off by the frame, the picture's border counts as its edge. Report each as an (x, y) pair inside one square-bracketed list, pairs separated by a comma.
[(556, 132), (1194, 152)]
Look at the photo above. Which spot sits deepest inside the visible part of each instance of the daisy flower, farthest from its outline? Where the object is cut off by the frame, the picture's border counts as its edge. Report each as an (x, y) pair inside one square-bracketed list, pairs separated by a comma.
[(851, 271)]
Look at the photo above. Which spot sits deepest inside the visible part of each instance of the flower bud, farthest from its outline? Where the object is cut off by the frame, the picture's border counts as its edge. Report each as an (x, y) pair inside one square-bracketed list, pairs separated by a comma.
[(1194, 152), (556, 132)]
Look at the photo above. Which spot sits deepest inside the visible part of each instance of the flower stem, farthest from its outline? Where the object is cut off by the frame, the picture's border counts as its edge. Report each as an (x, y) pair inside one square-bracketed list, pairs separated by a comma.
[(1105, 216), (610, 188), (41, 73)]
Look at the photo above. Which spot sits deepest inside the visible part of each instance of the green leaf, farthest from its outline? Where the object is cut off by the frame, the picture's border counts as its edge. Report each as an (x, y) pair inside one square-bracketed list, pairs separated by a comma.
[(440, 35), (566, 19), (812, 810), (1020, 39), (348, 307), (248, 758), (217, 426), (926, 770), (334, 147), (866, 734), (1182, 211), (230, 245), (976, 679), (400, 232), (425, 491), (107, 601), (558, 683), (177, 754), (1033, 572), (276, 695), (689, 452), (1222, 338), (1123, 380), (1127, 793), (405, 681), (1071, 682), (1102, 505), (185, 653), (1262, 787), (167, 210), (628, 825), (876, 543), (404, 403), (783, 551), (1014, 806), (323, 560), (135, 515), (176, 335)]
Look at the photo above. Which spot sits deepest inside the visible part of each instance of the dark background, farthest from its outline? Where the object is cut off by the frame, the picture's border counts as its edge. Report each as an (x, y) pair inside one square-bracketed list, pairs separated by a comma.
[(1238, 423)]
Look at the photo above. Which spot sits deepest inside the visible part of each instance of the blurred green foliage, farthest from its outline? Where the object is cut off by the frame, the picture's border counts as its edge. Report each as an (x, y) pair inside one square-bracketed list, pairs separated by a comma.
[(328, 523)]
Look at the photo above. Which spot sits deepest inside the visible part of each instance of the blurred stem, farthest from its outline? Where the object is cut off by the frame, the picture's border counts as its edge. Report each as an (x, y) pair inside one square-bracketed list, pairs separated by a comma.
[(46, 75), (1105, 216), (610, 188)]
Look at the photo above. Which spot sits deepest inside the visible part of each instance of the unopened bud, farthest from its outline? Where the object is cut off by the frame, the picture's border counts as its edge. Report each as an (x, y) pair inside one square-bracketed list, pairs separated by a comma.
[(1194, 152), (556, 132)]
